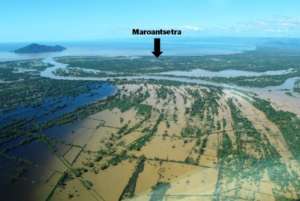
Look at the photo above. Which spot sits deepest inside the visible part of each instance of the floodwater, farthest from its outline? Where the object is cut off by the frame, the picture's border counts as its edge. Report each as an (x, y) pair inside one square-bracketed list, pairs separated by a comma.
[(44, 161), (53, 108), (224, 73)]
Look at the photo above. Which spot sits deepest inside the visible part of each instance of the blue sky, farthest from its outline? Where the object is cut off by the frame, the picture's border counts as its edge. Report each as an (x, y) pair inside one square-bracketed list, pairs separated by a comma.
[(56, 20)]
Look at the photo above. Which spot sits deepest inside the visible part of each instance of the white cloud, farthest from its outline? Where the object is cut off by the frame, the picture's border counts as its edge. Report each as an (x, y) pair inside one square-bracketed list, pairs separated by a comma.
[(275, 25), (191, 28)]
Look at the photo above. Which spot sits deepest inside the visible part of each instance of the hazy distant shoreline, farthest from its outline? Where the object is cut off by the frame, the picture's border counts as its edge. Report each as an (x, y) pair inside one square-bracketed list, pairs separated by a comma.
[(184, 47)]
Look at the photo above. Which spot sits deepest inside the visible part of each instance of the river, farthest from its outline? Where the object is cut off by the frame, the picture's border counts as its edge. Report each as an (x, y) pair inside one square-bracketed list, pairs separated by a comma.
[(171, 75)]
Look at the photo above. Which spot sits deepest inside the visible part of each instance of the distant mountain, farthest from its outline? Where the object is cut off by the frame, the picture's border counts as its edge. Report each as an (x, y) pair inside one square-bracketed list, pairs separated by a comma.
[(283, 44), (37, 48), (287, 47)]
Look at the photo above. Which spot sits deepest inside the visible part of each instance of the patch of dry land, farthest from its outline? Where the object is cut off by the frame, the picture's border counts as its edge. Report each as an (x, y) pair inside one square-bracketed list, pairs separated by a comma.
[(168, 141)]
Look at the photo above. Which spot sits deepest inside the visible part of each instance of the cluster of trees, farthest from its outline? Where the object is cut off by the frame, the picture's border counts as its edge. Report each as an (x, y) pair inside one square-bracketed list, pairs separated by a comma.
[(256, 81), (34, 92), (191, 132), (9, 70), (148, 134), (129, 189), (163, 92), (240, 162), (288, 123)]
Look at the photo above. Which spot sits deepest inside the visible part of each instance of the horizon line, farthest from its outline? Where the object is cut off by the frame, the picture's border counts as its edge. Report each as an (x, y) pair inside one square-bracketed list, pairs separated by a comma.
[(140, 38)]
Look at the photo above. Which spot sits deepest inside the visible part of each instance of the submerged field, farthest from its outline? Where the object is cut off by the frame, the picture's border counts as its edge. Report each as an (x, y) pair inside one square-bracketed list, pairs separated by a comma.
[(148, 139), (168, 141)]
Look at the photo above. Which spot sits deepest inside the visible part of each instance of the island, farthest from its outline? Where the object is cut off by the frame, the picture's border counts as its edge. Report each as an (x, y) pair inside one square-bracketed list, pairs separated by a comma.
[(37, 48)]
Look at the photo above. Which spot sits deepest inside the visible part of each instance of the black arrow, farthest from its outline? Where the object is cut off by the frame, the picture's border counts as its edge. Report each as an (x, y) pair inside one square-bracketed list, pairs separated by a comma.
[(157, 51)]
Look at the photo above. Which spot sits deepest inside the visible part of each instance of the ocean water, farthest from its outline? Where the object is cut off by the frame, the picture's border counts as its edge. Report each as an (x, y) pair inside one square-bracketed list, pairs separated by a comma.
[(138, 47)]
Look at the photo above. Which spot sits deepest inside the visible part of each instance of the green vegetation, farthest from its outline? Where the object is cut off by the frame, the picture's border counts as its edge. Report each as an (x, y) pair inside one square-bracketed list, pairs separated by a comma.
[(191, 132), (226, 149), (241, 164), (126, 102), (288, 123), (154, 81), (144, 110), (21, 70), (148, 134), (206, 102), (118, 158), (75, 72), (163, 92), (129, 190), (33, 92), (261, 81), (244, 129), (138, 125)]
